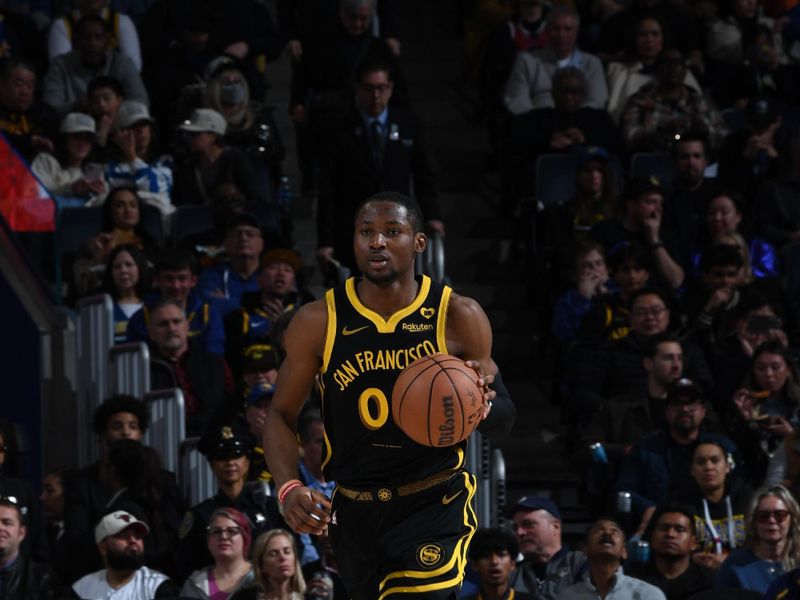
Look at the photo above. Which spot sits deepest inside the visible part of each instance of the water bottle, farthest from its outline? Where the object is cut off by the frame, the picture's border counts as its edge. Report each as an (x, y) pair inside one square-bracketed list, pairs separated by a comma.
[(598, 453)]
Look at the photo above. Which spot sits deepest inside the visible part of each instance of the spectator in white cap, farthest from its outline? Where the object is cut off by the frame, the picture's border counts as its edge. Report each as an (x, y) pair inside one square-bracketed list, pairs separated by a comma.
[(212, 163), (120, 539), (68, 173), (134, 159)]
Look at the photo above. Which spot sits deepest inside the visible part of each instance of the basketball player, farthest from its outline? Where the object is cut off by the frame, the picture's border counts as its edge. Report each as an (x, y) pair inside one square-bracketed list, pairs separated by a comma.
[(402, 514)]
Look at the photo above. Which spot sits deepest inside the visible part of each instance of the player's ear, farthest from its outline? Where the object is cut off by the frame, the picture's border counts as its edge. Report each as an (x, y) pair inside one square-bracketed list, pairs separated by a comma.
[(420, 242)]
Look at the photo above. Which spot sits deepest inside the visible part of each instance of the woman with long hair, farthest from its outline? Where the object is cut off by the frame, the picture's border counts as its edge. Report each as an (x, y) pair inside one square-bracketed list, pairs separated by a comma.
[(278, 575), (767, 406), (68, 173), (229, 539), (127, 281), (719, 501), (122, 224), (772, 545)]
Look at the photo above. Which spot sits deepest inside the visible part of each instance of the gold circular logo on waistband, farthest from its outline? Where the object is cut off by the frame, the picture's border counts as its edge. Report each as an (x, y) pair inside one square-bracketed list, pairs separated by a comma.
[(384, 495), (430, 555)]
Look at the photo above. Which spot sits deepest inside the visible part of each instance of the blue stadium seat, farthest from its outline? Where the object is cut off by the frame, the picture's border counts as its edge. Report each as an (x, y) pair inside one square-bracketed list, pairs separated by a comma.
[(653, 163), (734, 119), (190, 219), (76, 225), (152, 222), (555, 178)]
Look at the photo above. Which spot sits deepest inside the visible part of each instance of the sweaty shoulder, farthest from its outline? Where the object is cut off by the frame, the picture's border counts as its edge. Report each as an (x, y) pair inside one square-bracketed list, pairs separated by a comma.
[(469, 334)]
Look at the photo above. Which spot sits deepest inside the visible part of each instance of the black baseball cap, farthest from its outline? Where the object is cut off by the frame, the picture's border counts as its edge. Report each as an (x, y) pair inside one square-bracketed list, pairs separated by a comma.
[(643, 184), (258, 358), (225, 442), (684, 391), (529, 503)]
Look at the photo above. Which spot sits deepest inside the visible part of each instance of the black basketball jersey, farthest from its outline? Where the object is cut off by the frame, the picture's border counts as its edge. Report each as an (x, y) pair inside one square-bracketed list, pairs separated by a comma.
[(363, 356)]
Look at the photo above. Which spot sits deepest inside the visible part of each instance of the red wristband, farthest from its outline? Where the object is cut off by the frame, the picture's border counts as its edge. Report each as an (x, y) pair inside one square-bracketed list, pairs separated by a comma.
[(288, 487)]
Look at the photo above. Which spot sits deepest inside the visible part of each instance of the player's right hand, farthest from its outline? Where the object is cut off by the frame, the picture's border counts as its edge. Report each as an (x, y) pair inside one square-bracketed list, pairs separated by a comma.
[(307, 511)]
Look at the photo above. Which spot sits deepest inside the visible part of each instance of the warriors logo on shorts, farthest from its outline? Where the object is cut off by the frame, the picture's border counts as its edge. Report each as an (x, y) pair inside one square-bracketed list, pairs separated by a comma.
[(430, 555)]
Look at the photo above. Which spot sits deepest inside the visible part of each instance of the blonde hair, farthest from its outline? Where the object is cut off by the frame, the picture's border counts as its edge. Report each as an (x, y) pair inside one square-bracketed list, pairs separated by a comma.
[(297, 583), (790, 557)]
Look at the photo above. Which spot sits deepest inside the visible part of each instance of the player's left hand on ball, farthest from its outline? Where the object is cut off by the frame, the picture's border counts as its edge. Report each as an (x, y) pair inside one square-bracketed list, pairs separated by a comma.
[(483, 382), (307, 511)]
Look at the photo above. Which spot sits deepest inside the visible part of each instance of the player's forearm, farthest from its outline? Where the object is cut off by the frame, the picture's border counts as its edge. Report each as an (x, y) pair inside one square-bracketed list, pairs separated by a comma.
[(280, 448), (501, 417)]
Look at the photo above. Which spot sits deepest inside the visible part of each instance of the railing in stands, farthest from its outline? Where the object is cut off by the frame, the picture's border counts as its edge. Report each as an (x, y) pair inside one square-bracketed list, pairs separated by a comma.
[(130, 369), (431, 262), (498, 481), (167, 427), (94, 337), (197, 481), (489, 469)]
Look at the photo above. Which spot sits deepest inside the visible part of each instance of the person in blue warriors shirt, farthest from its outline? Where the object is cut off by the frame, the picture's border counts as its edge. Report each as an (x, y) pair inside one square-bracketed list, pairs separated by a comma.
[(402, 514), (175, 279)]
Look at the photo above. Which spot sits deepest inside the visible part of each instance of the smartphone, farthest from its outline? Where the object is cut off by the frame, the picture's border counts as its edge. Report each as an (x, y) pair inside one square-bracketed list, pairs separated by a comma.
[(93, 172)]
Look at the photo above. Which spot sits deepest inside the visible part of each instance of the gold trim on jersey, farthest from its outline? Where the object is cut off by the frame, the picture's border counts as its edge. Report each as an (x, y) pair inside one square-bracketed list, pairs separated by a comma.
[(459, 558), (330, 331), (441, 320), (381, 324)]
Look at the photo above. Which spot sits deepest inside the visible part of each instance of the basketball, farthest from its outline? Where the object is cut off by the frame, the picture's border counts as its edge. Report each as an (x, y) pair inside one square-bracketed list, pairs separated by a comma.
[(436, 400)]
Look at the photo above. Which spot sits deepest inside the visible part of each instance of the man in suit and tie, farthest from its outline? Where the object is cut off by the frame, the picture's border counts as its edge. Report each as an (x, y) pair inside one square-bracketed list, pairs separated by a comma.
[(375, 148)]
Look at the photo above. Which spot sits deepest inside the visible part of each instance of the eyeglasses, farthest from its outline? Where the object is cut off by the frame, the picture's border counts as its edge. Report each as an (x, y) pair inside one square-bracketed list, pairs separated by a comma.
[(764, 516), (371, 89), (218, 532), (652, 312)]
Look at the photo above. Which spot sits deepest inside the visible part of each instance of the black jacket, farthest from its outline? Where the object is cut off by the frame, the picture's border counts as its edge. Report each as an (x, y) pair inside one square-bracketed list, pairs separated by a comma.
[(349, 175), (26, 580)]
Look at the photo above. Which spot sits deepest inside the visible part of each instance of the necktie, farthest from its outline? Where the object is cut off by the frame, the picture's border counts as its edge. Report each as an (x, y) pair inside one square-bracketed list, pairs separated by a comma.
[(376, 142)]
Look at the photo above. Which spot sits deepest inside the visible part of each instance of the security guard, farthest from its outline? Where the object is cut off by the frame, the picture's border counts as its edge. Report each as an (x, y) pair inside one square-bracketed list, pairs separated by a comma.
[(228, 452)]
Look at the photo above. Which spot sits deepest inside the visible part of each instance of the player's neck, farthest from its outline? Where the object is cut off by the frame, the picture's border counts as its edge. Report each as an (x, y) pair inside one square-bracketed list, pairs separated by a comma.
[(389, 298)]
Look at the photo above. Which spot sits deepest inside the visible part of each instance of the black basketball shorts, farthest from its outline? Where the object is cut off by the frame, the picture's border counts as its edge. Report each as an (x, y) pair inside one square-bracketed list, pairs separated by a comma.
[(405, 547)]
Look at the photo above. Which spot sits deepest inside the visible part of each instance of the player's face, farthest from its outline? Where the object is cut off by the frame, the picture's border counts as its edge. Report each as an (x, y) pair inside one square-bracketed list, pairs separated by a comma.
[(385, 243), (495, 569), (673, 536), (278, 562)]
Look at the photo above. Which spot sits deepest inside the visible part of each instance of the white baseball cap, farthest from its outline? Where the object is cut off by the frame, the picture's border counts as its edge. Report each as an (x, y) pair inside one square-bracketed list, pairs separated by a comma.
[(205, 119), (78, 123), (115, 522), (131, 112)]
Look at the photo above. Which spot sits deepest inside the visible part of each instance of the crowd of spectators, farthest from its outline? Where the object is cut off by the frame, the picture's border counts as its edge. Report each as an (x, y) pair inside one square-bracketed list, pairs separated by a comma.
[(671, 293)]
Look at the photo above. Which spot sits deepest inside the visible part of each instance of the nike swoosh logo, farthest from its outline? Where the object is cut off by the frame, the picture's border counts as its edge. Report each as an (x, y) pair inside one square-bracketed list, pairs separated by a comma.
[(346, 331), (449, 499)]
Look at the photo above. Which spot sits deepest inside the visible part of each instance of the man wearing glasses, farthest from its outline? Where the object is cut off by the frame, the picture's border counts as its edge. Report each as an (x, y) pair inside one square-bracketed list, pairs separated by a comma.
[(599, 371), (228, 452), (660, 463), (378, 147)]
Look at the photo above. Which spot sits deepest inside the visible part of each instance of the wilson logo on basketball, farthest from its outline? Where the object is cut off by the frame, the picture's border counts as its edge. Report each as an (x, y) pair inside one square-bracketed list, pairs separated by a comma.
[(417, 327), (447, 430), (430, 555)]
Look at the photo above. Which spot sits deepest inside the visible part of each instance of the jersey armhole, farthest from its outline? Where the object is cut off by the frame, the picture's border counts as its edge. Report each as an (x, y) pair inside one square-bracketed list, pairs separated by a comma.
[(330, 330), (441, 325)]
